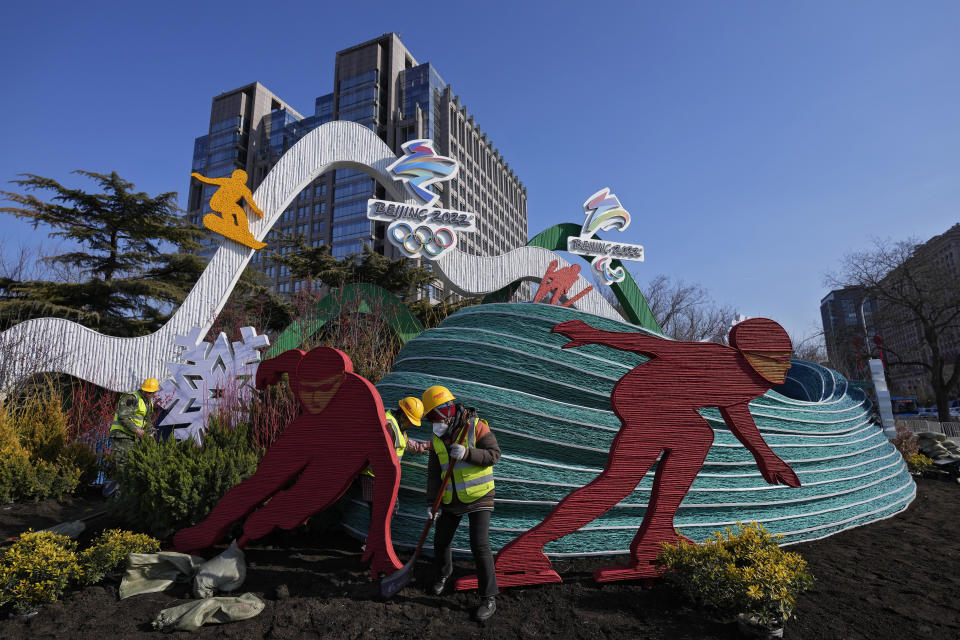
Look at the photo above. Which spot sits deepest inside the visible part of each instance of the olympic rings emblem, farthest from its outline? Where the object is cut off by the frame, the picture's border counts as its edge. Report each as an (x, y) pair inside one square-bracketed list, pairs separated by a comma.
[(412, 241), (602, 266)]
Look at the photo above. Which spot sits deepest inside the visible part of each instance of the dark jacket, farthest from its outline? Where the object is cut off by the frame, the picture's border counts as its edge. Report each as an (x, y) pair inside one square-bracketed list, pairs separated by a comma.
[(485, 454)]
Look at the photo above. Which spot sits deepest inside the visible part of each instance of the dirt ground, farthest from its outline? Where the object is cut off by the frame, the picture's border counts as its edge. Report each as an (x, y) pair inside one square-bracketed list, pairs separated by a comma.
[(894, 579)]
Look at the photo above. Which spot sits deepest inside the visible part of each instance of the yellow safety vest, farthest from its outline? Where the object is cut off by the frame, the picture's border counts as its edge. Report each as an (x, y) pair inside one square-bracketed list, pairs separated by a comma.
[(398, 437), (471, 481), (139, 416)]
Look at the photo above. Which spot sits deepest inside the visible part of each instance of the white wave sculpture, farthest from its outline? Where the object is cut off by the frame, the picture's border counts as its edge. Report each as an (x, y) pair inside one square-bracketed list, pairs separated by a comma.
[(478, 275), (120, 364)]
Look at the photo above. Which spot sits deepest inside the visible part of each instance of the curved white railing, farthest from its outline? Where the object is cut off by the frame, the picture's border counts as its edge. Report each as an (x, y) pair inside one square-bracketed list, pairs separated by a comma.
[(120, 364)]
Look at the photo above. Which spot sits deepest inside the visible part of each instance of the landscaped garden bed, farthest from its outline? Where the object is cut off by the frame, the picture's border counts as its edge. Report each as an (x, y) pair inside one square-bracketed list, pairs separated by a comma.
[(896, 578)]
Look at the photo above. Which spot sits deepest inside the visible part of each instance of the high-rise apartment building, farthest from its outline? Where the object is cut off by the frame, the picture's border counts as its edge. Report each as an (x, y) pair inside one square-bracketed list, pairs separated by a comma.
[(380, 85)]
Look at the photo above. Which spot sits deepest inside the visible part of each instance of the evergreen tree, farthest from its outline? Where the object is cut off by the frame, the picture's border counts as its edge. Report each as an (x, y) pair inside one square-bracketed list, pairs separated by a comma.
[(136, 256), (402, 277)]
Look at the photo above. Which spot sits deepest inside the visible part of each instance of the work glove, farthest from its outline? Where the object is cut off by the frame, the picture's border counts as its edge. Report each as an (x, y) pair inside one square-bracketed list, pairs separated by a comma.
[(458, 451), (430, 514)]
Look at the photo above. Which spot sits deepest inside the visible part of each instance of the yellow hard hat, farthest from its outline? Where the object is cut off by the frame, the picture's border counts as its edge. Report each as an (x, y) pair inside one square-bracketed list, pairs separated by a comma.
[(413, 409), (150, 385), (436, 396)]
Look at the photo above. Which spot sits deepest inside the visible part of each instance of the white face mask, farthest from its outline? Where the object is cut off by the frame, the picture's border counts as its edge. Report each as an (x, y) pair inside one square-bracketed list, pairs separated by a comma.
[(439, 428)]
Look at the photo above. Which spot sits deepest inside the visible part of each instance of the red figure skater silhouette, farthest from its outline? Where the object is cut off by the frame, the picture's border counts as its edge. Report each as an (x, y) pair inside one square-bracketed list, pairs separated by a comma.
[(558, 282), (657, 405), (339, 433)]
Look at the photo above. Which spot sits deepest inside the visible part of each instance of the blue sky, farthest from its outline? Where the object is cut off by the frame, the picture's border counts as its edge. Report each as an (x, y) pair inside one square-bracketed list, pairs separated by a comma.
[(754, 143)]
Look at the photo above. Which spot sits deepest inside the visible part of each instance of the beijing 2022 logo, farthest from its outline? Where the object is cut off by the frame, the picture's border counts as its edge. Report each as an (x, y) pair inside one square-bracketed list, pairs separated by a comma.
[(424, 230), (604, 213)]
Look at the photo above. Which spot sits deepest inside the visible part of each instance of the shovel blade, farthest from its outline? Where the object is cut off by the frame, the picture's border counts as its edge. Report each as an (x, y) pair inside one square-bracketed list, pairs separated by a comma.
[(397, 580)]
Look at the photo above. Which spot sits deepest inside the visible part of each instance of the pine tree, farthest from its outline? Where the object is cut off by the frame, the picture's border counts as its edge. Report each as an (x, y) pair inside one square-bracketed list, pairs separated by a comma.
[(402, 277), (136, 256)]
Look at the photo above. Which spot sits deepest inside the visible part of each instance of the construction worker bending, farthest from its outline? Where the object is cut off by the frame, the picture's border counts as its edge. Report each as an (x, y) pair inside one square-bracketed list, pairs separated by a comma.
[(399, 420), (461, 438), (132, 421)]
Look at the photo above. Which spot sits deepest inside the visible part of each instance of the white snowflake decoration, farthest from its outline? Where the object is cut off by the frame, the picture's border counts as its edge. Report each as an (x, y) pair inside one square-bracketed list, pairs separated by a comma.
[(207, 375)]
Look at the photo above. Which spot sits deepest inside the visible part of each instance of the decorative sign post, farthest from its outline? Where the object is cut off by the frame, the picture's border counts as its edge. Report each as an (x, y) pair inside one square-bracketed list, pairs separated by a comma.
[(426, 230), (604, 212)]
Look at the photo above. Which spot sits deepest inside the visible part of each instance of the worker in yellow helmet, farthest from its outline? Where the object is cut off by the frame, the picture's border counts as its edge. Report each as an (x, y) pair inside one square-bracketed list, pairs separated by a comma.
[(461, 438), (132, 421), (408, 414)]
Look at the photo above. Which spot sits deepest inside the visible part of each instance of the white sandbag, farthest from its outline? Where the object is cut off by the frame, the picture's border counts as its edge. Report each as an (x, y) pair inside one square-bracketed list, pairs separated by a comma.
[(150, 572), (193, 615), (225, 572)]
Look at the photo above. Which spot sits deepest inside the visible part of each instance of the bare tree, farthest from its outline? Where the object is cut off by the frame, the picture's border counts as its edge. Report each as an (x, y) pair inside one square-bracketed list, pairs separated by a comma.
[(917, 289), (683, 311), (810, 348), (687, 312)]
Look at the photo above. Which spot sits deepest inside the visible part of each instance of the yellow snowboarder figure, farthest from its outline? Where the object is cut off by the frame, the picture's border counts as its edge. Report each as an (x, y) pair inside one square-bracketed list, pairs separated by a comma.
[(232, 221)]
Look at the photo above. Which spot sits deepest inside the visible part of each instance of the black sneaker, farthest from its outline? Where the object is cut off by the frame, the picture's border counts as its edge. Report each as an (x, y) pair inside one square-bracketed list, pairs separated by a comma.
[(440, 585), (486, 608)]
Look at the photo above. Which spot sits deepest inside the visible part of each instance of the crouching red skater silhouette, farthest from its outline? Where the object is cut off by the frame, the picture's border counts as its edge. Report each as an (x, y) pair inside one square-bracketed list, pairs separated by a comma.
[(657, 404), (339, 433)]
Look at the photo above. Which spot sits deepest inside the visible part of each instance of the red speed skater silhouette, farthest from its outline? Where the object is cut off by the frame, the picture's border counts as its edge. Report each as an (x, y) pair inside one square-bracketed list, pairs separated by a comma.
[(657, 404), (341, 430)]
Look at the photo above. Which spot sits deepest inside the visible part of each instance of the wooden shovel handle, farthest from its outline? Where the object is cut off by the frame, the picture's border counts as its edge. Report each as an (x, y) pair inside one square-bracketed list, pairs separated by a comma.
[(443, 487)]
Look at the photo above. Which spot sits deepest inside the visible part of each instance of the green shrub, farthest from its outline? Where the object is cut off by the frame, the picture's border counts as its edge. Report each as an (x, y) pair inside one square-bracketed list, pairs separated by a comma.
[(41, 424), (170, 485), (17, 475), (81, 456), (21, 478), (109, 550), (37, 569), (53, 480), (738, 572), (35, 460)]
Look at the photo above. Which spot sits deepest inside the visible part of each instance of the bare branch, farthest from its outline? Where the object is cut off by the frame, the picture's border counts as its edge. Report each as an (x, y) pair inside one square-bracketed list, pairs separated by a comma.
[(916, 287)]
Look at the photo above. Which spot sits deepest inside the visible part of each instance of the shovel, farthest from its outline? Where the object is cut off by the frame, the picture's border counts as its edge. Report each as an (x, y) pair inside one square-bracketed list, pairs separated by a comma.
[(399, 579)]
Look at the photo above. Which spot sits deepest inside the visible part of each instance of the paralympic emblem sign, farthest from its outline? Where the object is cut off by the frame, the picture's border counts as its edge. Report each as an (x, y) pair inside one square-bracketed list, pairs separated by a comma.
[(424, 230), (604, 212)]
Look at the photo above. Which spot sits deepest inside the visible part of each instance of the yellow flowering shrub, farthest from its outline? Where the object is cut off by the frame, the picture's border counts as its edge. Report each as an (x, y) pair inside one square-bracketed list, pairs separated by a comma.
[(738, 571), (109, 551), (918, 463), (37, 569)]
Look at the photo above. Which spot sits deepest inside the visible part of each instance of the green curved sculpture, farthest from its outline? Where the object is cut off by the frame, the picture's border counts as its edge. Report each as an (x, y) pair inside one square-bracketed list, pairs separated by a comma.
[(628, 293), (363, 297)]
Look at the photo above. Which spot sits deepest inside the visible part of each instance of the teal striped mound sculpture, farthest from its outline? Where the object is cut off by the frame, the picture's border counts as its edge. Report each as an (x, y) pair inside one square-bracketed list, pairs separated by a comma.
[(550, 411)]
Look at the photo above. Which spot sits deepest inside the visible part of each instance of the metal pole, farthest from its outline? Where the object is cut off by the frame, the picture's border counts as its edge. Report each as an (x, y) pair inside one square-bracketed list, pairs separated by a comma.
[(866, 334), (879, 376)]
